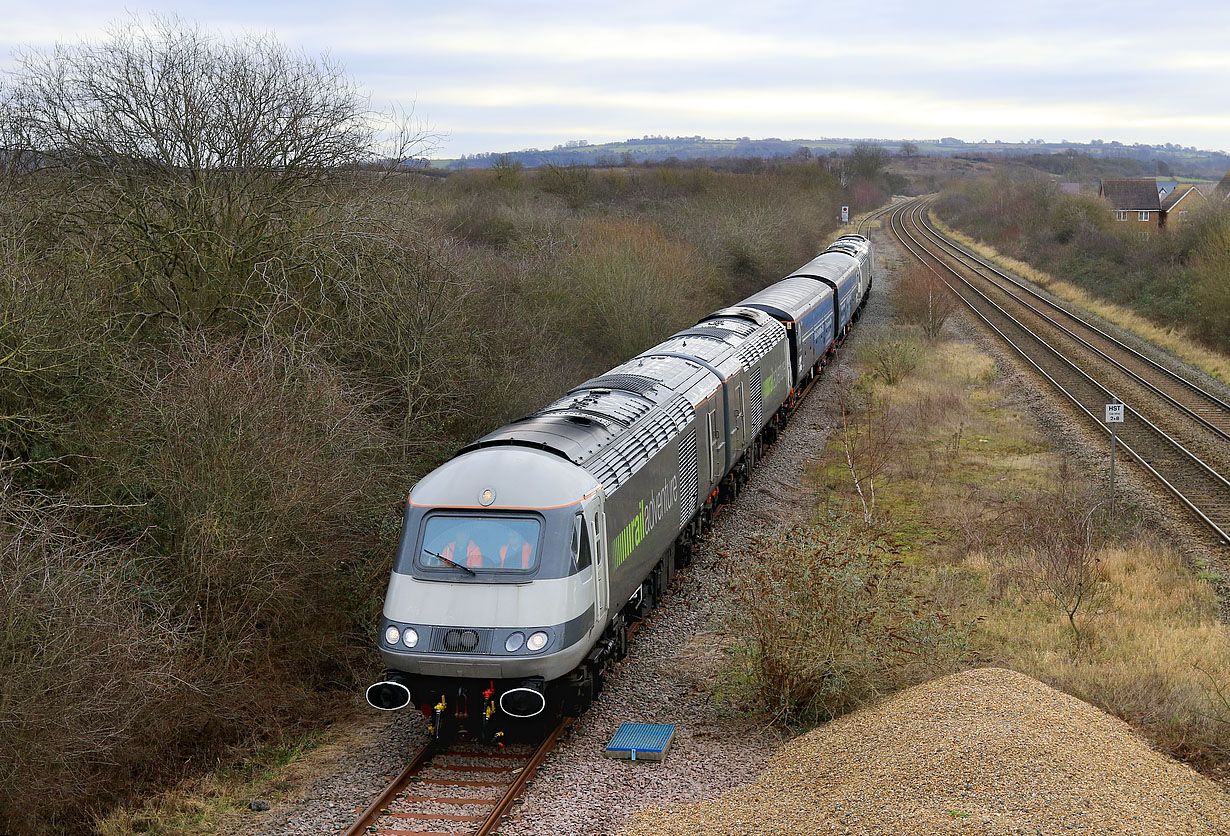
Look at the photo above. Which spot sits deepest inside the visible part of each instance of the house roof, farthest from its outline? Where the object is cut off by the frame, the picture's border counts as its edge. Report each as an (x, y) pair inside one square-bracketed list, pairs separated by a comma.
[(1172, 200), (1137, 193), (1223, 188), (1069, 188)]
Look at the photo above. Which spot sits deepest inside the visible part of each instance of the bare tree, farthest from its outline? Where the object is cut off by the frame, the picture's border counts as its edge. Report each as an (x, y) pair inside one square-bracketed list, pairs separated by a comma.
[(869, 441), (187, 160), (1055, 532), (1067, 570), (867, 160)]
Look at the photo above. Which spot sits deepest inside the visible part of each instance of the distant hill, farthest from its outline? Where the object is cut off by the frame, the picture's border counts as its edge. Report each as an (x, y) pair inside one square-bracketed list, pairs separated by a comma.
[(1172, 158)]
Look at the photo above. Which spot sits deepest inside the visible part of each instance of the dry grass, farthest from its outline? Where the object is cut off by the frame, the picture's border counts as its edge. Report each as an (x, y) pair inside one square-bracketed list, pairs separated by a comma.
[(970, 482), (1175, 341)]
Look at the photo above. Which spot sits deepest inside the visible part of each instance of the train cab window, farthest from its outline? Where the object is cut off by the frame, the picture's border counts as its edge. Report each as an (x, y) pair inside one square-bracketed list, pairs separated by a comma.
[(479, 544), (581, 557)]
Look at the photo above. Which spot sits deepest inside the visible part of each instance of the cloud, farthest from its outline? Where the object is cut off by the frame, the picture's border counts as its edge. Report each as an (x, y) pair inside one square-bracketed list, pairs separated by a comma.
[(547, 71)]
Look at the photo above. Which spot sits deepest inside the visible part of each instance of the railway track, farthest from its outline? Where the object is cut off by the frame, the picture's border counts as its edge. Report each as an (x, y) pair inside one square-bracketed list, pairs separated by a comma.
[(1173, 428), (1201, 407), (455, 789)]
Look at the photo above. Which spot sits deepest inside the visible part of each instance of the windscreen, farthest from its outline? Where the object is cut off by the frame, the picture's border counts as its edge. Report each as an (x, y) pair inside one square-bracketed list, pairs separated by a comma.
[(481, 544)]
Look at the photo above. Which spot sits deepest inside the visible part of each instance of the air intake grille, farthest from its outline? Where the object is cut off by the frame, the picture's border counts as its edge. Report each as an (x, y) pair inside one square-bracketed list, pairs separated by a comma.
[(689, 487), (461, 640), (757, 398), (627, 382), (708, 331), (752, 350)]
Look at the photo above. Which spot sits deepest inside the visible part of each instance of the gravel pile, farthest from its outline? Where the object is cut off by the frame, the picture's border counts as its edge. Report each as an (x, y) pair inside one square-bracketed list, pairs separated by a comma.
[(986, 751)]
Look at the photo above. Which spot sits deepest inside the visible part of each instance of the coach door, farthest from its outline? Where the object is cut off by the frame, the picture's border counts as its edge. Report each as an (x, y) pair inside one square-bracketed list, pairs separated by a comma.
[(717, 448), (738, 433), (602, 589)]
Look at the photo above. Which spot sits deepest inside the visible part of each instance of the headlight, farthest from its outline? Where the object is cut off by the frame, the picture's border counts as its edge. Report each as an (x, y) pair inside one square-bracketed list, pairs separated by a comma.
[(410, 637), (514, 642), (392, 635), (537, 641)]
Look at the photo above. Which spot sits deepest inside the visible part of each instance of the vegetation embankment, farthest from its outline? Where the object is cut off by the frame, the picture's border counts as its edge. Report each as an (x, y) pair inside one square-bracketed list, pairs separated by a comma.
[(954, 533), (1213, 363), (225, 356), (1178, 278)]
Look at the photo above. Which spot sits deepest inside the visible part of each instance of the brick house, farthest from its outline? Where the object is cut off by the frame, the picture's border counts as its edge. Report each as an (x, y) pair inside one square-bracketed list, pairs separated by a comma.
[(1134, 203), (1177, 205), (1222, 192)]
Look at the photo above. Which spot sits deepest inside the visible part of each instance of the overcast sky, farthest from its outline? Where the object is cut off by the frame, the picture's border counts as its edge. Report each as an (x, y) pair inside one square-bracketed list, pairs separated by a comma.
[(500, 76)]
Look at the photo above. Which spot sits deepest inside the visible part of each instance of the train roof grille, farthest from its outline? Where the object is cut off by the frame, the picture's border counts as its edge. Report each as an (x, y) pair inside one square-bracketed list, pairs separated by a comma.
[(604, 405), (635, 383), (758, 346), (709, 331), (628, 453), (741, 327)]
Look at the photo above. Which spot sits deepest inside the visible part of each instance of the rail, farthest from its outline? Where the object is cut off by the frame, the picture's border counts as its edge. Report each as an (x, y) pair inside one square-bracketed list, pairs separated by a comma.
[(396, 805), (1204, 491)]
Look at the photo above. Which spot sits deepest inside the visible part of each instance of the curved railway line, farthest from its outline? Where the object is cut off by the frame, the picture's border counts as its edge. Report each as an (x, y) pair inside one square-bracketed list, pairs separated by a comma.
[(1173, 428)]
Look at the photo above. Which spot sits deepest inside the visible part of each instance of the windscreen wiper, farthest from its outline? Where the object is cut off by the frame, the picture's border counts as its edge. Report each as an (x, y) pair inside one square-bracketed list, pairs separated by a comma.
[(451, 562)]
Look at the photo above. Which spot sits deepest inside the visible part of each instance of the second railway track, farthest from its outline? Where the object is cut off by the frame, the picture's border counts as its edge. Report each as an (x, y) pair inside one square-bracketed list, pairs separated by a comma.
[(1171, 427)]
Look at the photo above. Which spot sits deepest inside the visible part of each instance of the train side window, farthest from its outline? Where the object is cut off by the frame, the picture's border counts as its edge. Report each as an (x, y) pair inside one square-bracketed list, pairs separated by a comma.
[(581, 556)]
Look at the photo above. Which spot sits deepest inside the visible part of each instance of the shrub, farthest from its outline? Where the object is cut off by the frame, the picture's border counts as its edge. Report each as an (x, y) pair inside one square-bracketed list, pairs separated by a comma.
[(891, 359), (921, 298), (89, 685), (632, 286), (829, 620)]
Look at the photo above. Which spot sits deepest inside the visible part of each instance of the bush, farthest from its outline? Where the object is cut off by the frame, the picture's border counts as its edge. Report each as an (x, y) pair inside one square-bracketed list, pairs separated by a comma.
[(631, 287), (922, 299), (89, 685), (891, 360), (830, 621), (232, 452)]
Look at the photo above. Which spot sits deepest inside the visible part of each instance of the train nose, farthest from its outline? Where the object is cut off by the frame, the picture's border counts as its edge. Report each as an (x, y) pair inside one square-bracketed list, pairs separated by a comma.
[(526, 699), (389, 695)]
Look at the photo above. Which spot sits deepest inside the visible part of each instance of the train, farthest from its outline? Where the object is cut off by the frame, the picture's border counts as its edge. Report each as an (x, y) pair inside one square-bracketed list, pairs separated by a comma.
[(525, 560)]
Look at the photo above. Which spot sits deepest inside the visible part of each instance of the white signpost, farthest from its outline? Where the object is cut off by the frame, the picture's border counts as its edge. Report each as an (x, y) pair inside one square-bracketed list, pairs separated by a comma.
[(1114, 417), (845, 214)]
